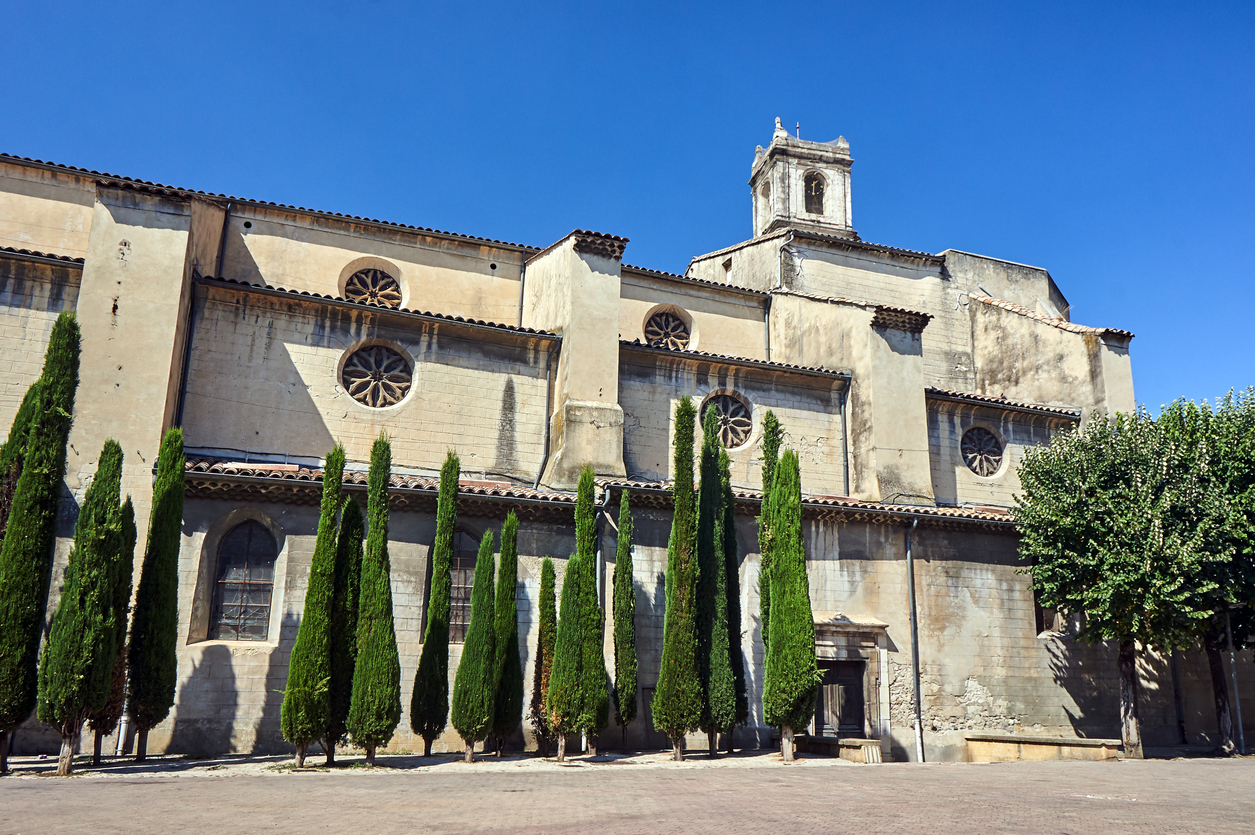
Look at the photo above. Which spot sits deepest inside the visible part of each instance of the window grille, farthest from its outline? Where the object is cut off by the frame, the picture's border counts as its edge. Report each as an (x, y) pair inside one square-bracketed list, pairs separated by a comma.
[(982, 451), (667, 330), (245, 582), (735, 420), (377, 376), (372, 286), (462, 580)]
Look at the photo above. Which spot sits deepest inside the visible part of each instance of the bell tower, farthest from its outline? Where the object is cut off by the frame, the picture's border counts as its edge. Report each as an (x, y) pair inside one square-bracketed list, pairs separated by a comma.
[(799, 184)]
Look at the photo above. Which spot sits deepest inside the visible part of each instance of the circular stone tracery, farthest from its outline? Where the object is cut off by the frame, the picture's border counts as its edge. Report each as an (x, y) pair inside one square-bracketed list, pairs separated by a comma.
[(982, 451), (373, 286), (377, 376), (733, 416), (667, 330)]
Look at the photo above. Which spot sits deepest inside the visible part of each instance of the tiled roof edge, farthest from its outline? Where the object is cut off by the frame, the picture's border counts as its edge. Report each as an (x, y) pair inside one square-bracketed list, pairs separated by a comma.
[(44, 257), (1001, 402), (1061, 324), (637, 345)]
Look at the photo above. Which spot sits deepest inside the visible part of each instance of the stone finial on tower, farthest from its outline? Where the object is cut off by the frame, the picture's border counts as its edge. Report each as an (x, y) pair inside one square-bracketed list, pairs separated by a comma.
[(780, 131)]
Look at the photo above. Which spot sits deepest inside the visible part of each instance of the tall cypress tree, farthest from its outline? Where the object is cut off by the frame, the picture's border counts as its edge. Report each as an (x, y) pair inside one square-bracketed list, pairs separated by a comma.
[(26, 554), (375, 708), (155, 624), (595, 714), (713, 655), (474, 684), (13, 453), (546, 640), (429, 705), (105, 720), (77, 665), (677, 704), (792, 675), (344, 601), (624, 623), (772, 435), (732, 577), (508, 703), (306, 710), (564, 703)]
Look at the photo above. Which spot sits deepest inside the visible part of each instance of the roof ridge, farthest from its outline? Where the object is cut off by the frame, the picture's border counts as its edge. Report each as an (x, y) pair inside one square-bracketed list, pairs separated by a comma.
[(34, 253), (686, 352), (1000, 400), (1061, 324)]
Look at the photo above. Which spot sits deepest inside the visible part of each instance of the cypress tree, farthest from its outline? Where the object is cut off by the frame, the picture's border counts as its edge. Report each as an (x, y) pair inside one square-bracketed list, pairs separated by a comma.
[(77, 665), (375, 708), (595, 714), (564, 703), (429, 705), (104, 721), (474, 685), (714, 657), (13, 453), (772, 435), (546, 639), (792, 672), (26, 554), (306, 709), (624, 623), (344, 601), (508, 702), (155, 624), (732, 575), (678, 698)]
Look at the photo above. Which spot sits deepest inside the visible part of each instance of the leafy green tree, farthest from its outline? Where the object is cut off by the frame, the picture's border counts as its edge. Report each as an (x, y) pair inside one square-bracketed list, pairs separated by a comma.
[(595, 715), (546, 640), (375, 708), (429, 705), (508, 702), (151, 657), (677, 705), (564, 701), (1116, 521), (105, 720), (474, 686), (713, 652), (773, 434), (26, 553), (306, 710), (13, 453), (344, 602), (732, 576), (624, 623), (791, 680), (77, 665)]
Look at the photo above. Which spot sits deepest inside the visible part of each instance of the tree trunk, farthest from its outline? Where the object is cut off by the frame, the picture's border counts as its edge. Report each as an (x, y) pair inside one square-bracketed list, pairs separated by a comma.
[(300, 754), (370, 753), (677, 749), (786, 743), (730, 749), (1130, 724), (562, 748), (5, 737), (712, 744), (500, 744), (470, 752), (330, 748), (623, 728), (141, 745), (1220, 692), (65, 762), (592, 748), (426, 747), (99, 743)]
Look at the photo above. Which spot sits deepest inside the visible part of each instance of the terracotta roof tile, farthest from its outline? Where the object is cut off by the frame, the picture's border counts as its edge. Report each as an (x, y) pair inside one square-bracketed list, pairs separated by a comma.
[(637, 345), (1061, 324), (1017, 405), (40, 256)]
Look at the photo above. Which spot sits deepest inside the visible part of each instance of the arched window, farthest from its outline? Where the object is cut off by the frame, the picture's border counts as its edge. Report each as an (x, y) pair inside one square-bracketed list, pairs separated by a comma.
[(813, 185), (245, 581), (462, 579)]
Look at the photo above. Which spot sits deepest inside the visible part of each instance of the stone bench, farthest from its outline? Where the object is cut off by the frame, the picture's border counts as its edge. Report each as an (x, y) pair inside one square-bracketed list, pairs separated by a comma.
[(854, 750), (997, 748)]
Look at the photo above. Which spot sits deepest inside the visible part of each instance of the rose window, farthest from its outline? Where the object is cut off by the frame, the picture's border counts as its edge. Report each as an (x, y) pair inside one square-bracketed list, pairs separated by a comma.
[(667, 330), (733, 417), (377, 376), (373, 286), (982, 451)]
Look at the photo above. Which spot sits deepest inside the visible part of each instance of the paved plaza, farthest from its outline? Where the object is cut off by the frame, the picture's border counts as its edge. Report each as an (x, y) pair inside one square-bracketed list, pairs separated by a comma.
[(643, 794)]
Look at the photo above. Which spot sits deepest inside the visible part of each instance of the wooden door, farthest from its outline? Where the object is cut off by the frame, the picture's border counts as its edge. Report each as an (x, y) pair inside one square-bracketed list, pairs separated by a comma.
[(839, 708)]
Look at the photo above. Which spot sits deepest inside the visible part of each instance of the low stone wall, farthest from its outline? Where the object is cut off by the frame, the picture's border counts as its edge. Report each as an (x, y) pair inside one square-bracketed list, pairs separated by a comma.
[(854, 750), (996, 748)]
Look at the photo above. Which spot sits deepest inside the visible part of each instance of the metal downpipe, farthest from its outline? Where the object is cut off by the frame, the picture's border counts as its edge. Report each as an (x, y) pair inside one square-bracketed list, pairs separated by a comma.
[(910, 586)]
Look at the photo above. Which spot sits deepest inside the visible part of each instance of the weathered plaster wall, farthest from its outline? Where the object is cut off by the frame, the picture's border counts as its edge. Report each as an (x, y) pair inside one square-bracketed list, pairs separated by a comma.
[(265, 377), (754, 264), (1031, 287), (46, 211), (32, 295), (722, 322), (316, 255)]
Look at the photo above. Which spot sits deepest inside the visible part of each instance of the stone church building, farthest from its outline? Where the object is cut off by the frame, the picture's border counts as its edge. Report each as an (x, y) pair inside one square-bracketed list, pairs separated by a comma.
[(909, 383)]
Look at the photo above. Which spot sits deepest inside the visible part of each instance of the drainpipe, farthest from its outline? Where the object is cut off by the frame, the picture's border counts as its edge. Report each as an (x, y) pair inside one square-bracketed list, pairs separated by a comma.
[(601, 554), (845, 435), (544, 461), (910, 587), (1233, 670), (522, 279), (767, 325)]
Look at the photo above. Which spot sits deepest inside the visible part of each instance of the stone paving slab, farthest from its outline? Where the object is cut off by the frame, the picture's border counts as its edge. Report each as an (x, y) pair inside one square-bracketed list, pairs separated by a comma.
[(647, 794)]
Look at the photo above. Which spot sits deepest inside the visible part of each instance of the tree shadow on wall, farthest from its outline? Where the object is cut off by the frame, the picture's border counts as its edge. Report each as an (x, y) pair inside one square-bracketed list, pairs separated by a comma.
[(204, 718), (1089, 674), (269, 733)]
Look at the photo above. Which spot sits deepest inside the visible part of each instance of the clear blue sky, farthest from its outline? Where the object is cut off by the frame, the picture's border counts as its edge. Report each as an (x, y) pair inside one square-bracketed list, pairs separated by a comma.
[(1113, 144)]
